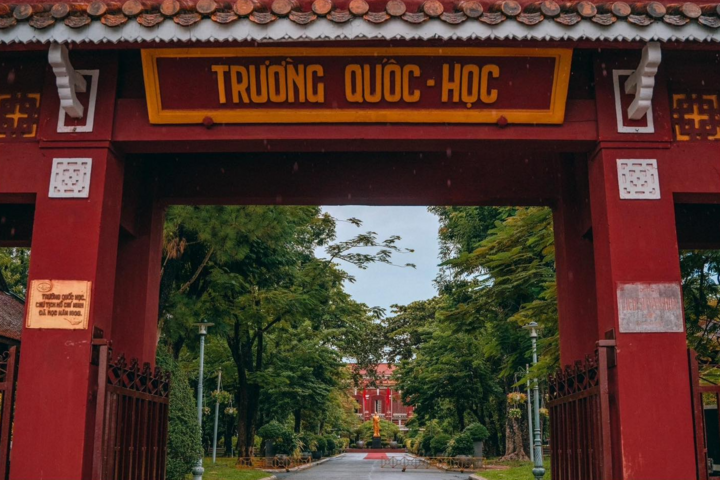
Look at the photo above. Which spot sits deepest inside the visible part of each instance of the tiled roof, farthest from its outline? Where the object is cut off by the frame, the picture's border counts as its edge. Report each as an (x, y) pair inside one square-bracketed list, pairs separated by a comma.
[(305, 12), (12, 311)]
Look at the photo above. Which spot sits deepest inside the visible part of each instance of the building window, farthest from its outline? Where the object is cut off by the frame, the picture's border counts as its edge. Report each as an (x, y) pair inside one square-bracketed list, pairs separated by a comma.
[(378, 406)]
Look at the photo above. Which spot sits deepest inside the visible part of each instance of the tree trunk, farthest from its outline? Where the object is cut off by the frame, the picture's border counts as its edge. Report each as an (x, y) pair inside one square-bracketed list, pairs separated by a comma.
[(229, 428), (461, 417), (298, 419), (514, 448)]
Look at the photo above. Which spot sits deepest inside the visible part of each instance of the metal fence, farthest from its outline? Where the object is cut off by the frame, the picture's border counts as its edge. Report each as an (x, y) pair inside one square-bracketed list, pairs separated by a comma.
[(273, 463), (579, 404), (131, 420), (459, 464), (8, 382)]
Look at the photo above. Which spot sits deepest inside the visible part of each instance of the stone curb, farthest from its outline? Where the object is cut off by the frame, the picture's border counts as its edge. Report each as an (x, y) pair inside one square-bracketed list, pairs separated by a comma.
[(303, 467), (475, 477)]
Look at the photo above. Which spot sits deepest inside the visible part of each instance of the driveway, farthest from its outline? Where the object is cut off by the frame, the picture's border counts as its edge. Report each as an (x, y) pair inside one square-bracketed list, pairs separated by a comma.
[(354, 465)]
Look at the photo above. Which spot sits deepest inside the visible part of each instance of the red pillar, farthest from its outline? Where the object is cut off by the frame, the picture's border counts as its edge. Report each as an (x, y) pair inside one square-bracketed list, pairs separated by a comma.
[(635, 242), (575, 266), (137, 284), (73, 239)]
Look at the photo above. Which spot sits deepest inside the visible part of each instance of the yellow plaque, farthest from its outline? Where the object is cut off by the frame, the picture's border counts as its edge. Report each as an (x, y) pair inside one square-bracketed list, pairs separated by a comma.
[(59, 304), (356, 85)]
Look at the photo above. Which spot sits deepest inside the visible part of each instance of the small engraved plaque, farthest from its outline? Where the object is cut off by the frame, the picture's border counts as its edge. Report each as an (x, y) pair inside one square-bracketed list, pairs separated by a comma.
[(59, 304), (650, 307)]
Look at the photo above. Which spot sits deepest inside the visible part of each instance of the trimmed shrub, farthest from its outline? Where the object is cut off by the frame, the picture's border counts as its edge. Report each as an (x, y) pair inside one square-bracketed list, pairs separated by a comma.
[(321, 443), (439, 444), (284, 441), (477, 432), (271, 431), (330, 442), (184, 443), (461, 445)]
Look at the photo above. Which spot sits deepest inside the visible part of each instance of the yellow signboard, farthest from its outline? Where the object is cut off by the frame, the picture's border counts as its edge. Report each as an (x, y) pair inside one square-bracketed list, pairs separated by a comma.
[(59, 304), (356, 85)]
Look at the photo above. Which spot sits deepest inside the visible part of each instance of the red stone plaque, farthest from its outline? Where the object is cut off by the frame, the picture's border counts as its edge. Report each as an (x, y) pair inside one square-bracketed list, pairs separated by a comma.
[(351, 85)]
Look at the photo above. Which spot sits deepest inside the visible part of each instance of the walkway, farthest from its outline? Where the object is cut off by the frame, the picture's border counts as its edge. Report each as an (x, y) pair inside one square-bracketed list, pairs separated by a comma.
[(354, 465)]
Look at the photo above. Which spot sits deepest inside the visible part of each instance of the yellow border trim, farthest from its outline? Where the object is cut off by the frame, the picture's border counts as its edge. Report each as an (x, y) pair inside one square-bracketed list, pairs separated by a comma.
[(554, 115)]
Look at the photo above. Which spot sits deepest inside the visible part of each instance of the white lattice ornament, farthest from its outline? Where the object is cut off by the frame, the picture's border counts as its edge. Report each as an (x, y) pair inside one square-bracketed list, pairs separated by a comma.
[(638, 179), (70, 178)]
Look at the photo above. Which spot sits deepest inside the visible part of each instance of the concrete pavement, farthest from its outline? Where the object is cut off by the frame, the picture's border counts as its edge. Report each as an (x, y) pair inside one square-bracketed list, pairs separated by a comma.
[(354, 466)]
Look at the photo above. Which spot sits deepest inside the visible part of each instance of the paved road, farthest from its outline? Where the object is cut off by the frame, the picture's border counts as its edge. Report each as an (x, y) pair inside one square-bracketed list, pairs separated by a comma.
[(354, 466)]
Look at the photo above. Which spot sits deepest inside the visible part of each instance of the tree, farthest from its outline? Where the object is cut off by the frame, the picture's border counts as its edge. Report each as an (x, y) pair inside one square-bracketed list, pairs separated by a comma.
[(700, 271), (253, 271), (184, 445), (14, 266)]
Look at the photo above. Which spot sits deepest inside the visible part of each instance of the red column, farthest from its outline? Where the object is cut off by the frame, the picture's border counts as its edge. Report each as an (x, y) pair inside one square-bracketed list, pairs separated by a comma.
[(635, 242), (73, 239), (137, 284), (575, 265)]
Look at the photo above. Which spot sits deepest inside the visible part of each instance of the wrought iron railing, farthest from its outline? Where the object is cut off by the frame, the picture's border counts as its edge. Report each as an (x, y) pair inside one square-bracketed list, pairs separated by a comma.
[(131, 423), (273, 463), (579, 407), (455, 464)]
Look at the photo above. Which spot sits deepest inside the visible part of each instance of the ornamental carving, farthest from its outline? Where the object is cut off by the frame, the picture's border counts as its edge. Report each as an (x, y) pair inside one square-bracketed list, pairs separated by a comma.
[(70, 178), (695, 117), (19, 115), (638, 179)]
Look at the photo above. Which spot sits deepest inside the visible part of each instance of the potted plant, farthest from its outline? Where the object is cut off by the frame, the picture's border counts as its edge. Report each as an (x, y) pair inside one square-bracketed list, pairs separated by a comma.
[(478, 433), (271, 433)]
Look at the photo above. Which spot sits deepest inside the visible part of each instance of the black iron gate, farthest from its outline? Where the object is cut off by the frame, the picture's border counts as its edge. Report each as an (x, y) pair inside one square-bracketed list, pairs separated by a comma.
[(131, 423), (579, 404)]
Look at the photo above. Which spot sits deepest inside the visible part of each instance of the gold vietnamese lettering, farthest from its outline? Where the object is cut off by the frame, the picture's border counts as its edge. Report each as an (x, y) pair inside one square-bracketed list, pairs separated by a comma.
[(279, 83), (469, 84), (387, 82)]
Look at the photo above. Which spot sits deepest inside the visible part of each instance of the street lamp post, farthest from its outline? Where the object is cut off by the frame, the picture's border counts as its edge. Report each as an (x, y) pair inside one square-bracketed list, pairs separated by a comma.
[(199, 470), (538, 470), (529, 409), (217, 412)]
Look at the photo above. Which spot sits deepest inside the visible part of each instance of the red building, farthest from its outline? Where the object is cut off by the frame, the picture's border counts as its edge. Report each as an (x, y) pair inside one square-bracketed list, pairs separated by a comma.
[(380, 396)]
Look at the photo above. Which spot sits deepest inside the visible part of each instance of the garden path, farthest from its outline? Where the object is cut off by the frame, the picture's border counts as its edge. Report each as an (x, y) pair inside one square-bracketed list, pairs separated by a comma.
[(355, 466)]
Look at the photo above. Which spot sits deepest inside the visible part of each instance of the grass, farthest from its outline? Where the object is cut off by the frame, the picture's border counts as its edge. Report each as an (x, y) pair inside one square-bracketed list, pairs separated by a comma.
[(517, 471), (225, 469)]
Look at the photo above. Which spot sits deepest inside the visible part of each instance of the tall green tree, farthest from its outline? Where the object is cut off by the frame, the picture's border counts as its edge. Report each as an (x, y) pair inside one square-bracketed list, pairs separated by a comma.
[(253, 271)]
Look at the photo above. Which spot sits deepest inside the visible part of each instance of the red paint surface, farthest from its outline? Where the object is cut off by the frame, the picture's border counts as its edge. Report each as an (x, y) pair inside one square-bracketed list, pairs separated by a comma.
[(74, 239), (524, 83), (635, 241), (600, 240), (577, 311), (376, 456)]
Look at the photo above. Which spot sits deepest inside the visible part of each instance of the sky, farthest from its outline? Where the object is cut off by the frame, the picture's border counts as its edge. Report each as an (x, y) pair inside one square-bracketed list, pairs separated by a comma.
[(383, 285)]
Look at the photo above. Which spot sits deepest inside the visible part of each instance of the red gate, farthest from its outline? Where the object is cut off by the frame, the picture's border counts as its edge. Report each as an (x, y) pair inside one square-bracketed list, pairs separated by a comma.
[(579, 404), (131, 420), (8, 379)]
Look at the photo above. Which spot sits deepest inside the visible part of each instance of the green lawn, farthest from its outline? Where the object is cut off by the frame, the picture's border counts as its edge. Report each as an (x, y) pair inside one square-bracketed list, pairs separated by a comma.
[(517, 471), (225, 469)]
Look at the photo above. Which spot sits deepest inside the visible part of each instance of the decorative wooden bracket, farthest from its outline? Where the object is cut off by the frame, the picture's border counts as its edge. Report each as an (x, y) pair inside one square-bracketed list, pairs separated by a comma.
[(68, 80), (642, 81)]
